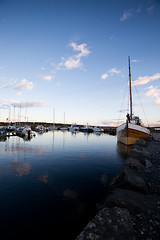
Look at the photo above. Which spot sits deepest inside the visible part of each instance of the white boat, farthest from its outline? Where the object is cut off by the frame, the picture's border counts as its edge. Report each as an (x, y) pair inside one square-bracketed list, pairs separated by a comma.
[(132, 129), (97, 129), (10, 128), (26, 130), (87, 128), (74, 128), (52, 128), (63, 128), (40, 128)]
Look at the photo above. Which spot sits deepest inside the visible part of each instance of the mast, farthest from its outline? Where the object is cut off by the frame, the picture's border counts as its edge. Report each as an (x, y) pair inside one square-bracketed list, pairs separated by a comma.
[(64, 118), (130, 88), (53, 117)]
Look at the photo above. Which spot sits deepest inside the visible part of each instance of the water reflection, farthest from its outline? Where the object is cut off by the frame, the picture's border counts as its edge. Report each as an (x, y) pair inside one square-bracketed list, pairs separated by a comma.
[(21, 169), (54, 181), (123, 150), (18, 145), (43, 178), (104, 179), (69, 194)]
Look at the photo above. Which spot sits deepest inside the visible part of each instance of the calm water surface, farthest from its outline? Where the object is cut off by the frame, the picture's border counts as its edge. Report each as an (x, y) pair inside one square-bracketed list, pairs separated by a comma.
[(49, 186)]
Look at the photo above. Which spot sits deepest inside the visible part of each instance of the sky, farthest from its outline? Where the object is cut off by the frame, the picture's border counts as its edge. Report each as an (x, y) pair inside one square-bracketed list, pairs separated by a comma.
[(70, 58)]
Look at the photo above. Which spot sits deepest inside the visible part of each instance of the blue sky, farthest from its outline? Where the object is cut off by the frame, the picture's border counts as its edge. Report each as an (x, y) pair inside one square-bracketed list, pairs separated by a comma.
[(72, 55)]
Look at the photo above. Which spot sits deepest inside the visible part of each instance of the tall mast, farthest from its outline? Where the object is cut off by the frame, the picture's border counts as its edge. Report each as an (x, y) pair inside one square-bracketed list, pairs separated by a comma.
[(130, 88), (53, 117)]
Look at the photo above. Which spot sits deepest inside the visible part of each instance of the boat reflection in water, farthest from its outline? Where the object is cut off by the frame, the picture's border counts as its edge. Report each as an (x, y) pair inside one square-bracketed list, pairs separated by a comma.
[(123, 150)]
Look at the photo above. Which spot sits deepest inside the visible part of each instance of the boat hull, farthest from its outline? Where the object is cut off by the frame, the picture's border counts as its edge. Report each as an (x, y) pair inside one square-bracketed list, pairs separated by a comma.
[(87, 130), (128, 133)]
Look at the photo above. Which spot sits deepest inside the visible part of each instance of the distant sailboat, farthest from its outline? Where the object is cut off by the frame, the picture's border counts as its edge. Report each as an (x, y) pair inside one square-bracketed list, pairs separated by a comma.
[(131, 130), (53, 127), (64, 127)]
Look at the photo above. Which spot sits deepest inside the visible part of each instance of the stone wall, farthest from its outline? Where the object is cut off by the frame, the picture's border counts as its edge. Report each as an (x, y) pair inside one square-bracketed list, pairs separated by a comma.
[(131, 211)]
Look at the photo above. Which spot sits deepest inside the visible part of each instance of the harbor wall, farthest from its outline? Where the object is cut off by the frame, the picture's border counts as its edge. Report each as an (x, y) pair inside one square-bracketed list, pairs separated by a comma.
[(131, 209)]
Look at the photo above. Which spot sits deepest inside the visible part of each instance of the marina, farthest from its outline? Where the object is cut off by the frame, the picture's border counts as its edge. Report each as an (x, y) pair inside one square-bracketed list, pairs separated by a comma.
[(79, 120), (48, 183)]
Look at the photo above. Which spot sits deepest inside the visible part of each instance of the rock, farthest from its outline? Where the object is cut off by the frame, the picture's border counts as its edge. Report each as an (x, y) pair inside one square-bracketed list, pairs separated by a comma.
[(141, 142), (134, 163), (109, 224), (134, 195), (148, 164), (135, 146), (139, 154), (135, 153), (156, 136), (127, 178), (133, 201)]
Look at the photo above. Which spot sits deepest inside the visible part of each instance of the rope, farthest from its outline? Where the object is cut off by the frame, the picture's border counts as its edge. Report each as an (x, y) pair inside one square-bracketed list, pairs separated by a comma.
[(141, 106), (122, 103)]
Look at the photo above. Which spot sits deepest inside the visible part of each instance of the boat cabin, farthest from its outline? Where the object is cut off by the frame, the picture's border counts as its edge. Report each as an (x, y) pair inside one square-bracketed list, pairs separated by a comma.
[(135, 120)]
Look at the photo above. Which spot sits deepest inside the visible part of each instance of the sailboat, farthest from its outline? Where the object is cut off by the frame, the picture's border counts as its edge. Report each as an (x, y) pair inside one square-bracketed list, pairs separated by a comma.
[(64, 127), (131, 130)]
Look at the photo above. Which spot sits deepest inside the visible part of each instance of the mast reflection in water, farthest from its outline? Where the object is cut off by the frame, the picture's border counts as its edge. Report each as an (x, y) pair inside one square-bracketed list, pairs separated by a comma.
[(49, 186)]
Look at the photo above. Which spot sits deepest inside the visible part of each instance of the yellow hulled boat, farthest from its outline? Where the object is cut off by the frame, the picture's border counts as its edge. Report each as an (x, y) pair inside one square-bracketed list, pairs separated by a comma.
[(131, 130)]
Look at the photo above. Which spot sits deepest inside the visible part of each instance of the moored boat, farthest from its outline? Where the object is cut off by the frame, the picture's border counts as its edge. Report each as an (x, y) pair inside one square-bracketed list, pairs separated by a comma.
[(40, 128), (74, 128), (132, 129), (128, 133), (87, 129), (98, 129), (63, 128)]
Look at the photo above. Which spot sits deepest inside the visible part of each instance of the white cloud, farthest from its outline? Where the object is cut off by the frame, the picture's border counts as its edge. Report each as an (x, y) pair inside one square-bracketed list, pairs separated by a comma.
[(134, 12), (110, 72), (125, 16), (35, 104), (104, 76), (135, 60), (82, 48), (74, 61), (157, 101), (150, 9), (111, 122), (47, 77), (146, 79), (154, 92), (114, 71), (24, 84)]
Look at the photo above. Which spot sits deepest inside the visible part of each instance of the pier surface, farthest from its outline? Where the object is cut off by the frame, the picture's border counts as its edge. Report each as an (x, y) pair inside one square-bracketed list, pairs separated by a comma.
[(131, 210)]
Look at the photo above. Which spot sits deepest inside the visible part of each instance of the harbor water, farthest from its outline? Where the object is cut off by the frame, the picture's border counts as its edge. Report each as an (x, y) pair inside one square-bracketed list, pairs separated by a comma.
[(50, 185)]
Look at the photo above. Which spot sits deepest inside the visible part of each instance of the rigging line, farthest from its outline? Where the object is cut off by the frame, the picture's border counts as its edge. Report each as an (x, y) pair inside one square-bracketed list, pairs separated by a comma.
[(122, 103), (141, 106)]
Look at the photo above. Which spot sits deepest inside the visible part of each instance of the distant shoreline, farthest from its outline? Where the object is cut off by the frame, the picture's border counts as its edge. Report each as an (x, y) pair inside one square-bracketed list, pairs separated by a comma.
[(153, 129)]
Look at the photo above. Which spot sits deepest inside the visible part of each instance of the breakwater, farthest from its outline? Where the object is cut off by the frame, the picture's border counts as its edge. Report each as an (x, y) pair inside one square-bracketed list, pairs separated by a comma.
[(131, 209)]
